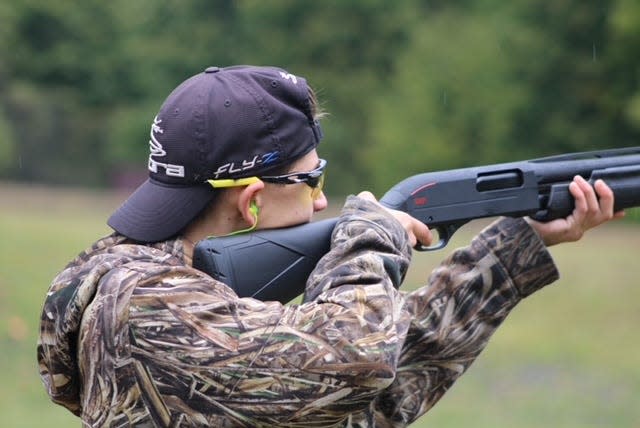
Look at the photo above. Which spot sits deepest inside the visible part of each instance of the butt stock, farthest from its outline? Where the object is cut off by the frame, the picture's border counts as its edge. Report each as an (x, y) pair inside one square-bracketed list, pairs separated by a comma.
[(271, 264)]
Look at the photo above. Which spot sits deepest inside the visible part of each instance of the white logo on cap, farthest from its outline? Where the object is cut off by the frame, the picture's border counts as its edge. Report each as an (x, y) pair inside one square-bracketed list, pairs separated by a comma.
[(289, 76), (157, 150)]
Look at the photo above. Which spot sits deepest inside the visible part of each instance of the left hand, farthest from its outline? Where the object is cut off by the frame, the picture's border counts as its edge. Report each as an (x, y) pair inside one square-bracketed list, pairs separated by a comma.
[(593, 207)]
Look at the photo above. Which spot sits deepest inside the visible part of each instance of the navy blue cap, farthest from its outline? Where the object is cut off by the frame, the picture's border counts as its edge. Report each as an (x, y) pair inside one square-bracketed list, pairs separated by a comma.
[(230, 122)]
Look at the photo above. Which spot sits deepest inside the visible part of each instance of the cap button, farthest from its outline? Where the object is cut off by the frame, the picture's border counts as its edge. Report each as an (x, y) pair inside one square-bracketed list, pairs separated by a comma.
[(212, 69)]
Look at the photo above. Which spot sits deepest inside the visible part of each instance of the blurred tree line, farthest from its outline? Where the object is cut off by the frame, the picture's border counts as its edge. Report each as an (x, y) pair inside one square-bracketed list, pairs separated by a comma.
[(409, 86)]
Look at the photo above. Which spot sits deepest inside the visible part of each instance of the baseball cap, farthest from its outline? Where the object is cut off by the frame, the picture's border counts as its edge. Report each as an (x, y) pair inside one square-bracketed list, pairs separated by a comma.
[(230, 122)]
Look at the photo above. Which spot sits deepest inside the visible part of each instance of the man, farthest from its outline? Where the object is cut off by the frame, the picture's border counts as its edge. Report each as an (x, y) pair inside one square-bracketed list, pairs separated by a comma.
[(131, 334)]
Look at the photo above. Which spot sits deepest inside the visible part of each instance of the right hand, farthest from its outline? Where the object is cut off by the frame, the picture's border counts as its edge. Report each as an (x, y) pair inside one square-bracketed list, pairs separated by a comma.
[(417, 231)]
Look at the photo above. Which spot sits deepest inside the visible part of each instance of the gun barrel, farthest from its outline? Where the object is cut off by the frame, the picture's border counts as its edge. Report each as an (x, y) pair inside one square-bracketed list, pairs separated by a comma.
[(561, 168)]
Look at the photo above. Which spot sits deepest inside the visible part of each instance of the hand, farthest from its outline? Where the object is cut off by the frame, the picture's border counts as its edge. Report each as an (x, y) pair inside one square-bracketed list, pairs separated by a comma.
[(417, 231), (592, 208)]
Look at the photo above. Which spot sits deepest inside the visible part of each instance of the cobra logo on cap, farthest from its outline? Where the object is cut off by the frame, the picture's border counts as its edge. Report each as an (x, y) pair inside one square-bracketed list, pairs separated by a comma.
[(156, 150)]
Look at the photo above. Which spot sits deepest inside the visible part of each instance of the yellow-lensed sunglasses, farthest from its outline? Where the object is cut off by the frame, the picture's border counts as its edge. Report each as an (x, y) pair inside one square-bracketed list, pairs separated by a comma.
[(313, 179)]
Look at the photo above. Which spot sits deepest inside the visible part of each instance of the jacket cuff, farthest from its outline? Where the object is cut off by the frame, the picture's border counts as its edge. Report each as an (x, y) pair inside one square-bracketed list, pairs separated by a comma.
[(521, 253), (359, 214)]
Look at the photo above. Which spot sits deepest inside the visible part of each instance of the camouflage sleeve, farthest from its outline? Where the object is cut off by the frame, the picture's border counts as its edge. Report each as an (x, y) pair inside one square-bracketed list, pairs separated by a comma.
[(467, 297), (191, 353), (367, 244)]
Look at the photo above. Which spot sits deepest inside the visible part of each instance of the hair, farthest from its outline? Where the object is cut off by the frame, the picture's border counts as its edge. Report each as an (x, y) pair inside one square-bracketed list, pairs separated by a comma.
[(317, 112)]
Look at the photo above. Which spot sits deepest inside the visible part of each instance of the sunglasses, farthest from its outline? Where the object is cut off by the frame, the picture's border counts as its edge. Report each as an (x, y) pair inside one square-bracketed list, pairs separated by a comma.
[(313, 179)]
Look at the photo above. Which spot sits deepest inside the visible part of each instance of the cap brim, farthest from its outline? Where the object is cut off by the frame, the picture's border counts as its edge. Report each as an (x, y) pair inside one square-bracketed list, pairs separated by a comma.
[(157, 212)]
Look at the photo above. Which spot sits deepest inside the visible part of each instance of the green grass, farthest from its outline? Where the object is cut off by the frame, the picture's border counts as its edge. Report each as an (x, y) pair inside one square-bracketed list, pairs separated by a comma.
[(41, 229), (567, 357)]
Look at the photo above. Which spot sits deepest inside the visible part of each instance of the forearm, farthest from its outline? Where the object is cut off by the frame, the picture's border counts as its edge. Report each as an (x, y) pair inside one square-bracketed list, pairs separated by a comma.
[(367, 262), (465, 301)]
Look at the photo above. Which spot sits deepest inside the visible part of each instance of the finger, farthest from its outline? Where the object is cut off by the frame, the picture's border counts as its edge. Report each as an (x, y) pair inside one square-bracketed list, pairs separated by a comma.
[(368, 196), (423, 234), (619, 214), (580, 201), (606, 198), (407, 224), (591, 199)]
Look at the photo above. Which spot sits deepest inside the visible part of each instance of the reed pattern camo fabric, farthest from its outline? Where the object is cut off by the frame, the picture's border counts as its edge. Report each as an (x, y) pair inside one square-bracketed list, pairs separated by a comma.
[(131, 335)]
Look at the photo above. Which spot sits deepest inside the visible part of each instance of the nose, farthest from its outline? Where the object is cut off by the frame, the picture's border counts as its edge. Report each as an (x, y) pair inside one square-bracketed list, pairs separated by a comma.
[(320, 203)]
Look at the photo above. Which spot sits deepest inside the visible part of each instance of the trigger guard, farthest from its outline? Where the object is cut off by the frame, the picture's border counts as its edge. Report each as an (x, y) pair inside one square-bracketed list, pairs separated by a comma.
[(437, 246), (445, 232), (444, 235)]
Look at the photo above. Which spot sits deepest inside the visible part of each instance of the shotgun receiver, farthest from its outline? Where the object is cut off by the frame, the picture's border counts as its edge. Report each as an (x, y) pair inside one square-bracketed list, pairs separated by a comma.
[(275, 264)]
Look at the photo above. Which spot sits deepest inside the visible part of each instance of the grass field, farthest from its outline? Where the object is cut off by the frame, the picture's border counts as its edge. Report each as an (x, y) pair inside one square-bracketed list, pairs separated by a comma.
[(569, 356)]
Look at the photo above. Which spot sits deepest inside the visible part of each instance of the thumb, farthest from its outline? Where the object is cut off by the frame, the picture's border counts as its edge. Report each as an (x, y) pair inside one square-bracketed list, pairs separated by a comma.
[(368, 196)]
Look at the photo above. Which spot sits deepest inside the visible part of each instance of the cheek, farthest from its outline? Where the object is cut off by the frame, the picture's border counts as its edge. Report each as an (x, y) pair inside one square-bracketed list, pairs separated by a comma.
[(290, 205), (297, 206), (304, 197), (305, 200)]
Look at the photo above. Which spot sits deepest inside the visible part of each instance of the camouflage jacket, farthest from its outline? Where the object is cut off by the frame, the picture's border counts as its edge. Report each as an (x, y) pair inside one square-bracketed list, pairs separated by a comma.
[(132, 335)]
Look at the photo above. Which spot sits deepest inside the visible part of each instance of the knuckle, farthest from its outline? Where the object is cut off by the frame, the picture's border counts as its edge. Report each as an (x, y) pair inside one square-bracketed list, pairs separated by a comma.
[(593, 211)]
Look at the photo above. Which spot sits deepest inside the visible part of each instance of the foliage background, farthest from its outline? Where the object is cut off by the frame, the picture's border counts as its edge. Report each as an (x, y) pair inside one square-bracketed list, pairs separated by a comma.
[(410, 86)]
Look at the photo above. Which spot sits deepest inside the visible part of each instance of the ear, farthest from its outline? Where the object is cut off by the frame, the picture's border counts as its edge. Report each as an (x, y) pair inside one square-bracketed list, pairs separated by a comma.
[(249, 201)]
